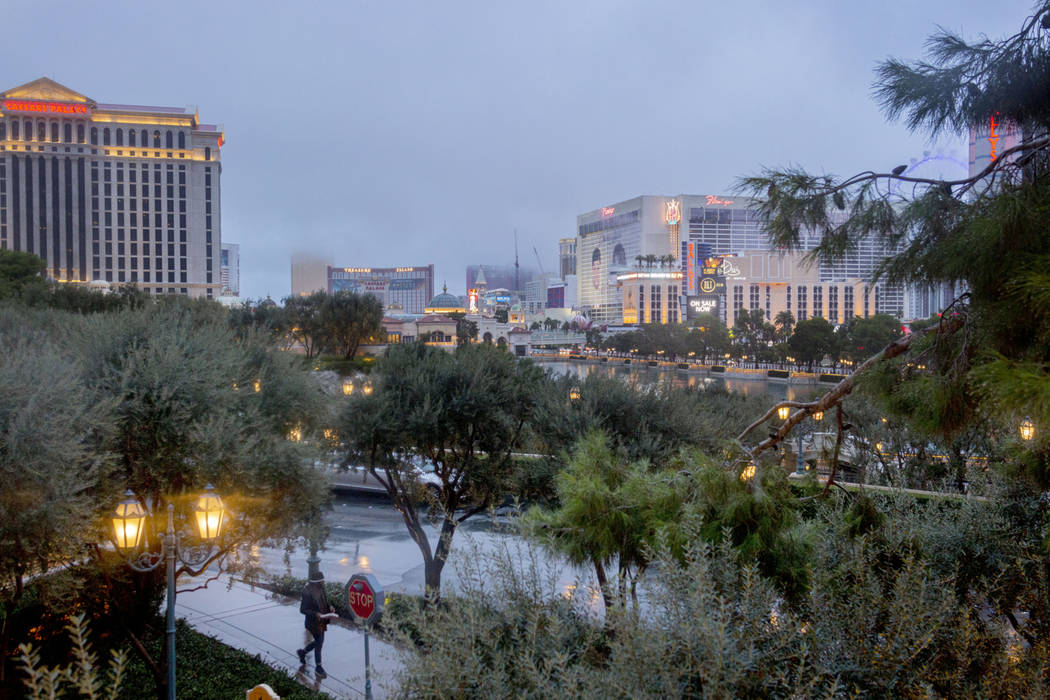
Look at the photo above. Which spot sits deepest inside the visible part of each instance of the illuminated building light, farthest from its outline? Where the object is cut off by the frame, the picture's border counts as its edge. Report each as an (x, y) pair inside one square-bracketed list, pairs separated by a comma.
[(608, 211), (712, 200), (672, 212), (993, 137), (59, 107)]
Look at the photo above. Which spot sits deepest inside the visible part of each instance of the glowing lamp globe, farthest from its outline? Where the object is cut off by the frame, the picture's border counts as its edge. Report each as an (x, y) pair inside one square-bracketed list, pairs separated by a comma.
[(348, 387), (128, 521), (209, 512), (783, 412), (818, 415), (574, 393), (1027, 429), (367, 388)]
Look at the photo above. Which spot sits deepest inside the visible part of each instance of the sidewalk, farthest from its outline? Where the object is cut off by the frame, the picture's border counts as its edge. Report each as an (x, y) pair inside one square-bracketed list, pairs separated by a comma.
[(251, 619)]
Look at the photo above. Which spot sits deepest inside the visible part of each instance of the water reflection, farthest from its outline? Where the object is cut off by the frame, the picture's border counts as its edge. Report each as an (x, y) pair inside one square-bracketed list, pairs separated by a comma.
[(644, 375)]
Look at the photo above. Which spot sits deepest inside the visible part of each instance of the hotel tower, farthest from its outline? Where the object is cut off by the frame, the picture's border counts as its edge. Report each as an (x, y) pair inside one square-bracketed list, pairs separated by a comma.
[(111, 193)]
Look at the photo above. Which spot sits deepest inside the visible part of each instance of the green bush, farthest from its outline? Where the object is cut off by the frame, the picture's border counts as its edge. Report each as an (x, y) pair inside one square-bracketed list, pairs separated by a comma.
[(207, 668)]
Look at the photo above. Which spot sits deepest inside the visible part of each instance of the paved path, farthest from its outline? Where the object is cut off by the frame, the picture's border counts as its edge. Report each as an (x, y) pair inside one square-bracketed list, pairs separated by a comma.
[(252, 619)]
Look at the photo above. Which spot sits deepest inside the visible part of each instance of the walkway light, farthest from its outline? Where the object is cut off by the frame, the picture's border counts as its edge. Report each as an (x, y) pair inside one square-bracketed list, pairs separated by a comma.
[(574, 394), (295, 434), (256, 385), (818, 415), (1027, 430), (209, 512), (367, 388), (348, 387), (127, 523), (783, 412), (748, 472)]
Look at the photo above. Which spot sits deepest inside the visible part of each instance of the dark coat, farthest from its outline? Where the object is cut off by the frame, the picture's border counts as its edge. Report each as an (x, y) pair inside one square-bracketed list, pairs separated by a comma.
[(314, 604)]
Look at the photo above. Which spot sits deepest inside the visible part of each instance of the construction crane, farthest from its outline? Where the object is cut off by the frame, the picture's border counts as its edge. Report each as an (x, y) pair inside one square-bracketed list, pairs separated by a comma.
[(538, 261), (517, 285)]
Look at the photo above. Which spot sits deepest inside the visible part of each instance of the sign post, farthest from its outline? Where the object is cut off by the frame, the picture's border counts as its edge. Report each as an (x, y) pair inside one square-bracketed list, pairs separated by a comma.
[(364, 597)]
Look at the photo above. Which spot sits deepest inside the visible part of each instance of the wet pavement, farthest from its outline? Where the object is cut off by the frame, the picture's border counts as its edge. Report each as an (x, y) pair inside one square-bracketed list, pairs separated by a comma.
[(367, 535)]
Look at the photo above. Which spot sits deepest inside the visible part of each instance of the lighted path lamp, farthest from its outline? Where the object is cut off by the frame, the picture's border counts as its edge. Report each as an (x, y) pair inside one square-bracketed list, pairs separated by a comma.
[(783, 412), (1027, 429), (348, 387), (128, 521), (574, 394)]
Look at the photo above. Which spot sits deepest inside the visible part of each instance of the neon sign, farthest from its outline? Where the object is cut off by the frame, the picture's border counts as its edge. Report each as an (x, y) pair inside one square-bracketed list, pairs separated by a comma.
[(993, 137), (672, 212), (60, 107), (712, 200), (608, 211)]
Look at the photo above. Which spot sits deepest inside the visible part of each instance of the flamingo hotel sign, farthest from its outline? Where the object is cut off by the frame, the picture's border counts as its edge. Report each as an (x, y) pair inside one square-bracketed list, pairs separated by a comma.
[(53, 107)]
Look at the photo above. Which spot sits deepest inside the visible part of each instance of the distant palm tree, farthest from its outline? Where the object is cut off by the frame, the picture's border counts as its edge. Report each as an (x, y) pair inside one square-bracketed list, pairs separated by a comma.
[(640, 259)]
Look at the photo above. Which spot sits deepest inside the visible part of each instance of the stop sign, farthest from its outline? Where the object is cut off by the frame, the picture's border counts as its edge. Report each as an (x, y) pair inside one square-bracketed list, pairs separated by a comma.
[(364, 597)]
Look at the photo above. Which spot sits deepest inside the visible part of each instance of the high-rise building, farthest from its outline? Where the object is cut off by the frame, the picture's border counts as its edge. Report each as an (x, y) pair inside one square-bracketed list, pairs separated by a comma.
[(642, 233), (406, 288), (309, 274), (112, 192), (230, 269)]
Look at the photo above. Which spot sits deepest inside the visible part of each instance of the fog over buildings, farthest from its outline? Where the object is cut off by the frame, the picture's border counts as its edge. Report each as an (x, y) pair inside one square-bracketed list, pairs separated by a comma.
[(389, 134)]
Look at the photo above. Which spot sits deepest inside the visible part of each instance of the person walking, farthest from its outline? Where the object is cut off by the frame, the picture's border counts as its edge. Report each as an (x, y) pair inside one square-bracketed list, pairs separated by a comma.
[(317, 612)]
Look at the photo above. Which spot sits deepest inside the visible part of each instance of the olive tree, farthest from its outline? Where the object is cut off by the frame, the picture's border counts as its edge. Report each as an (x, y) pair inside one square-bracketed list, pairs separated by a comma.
[(461, 414)]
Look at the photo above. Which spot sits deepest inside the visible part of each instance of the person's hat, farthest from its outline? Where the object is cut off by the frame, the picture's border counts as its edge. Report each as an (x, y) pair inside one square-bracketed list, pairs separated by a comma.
[(317, 578)]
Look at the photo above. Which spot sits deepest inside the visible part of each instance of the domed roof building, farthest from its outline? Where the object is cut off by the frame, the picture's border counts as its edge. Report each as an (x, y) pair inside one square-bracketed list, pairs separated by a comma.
[(445, 303)]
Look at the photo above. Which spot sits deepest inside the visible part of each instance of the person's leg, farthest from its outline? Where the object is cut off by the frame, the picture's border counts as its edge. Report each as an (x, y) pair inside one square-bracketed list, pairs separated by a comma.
[(316, 645)]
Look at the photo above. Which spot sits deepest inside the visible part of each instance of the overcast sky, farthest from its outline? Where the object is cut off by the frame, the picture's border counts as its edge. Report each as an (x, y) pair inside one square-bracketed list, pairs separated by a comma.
[(392, 133)]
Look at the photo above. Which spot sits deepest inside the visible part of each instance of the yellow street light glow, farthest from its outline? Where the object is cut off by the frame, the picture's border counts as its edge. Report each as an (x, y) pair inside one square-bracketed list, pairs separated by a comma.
[(574, 393), (783, 412), (748, 472), (1027, 429), (818, 415), (348, 387), (209, 512), (367, 388), (295, 434), (127, 522), (256, 385)]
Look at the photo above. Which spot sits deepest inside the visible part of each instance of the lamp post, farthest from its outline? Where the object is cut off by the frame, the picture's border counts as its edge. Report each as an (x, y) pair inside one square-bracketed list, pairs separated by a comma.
[(1027, 430), (800, 466), (128, 521)]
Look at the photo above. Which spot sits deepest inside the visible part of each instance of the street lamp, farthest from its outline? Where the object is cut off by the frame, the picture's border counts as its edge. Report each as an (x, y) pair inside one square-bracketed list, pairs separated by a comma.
[(128, 519), (1027, 429), (783, 412), (367, 388), (348, 387), (574, 394), (800, 462)]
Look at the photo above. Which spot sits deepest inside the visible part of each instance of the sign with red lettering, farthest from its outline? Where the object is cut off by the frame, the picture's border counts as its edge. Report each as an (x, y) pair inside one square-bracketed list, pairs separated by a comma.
[(364, 597), (55, 107), (608, 211)]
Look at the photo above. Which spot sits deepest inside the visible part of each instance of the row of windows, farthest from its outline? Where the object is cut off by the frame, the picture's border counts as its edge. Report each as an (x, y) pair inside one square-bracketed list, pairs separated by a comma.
[(24, 130)]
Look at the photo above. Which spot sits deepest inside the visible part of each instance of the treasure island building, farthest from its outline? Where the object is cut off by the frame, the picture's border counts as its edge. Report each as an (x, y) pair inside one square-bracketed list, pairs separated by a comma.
[(110, 192)]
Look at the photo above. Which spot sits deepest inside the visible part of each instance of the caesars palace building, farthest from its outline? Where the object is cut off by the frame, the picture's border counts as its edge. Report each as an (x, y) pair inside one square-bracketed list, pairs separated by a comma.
[(722, 264), (111, 193)]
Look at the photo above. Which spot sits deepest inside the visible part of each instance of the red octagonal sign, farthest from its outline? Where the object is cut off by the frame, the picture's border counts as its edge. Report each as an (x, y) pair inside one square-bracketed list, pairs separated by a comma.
[(364, 597)]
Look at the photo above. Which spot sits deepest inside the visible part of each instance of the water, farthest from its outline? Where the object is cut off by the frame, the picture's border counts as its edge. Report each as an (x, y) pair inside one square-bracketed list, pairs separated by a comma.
[(644, 375)]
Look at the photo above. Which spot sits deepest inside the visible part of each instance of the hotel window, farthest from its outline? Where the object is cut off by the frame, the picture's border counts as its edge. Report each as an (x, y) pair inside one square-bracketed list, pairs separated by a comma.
[(753, 297), (80, 133), (847, 303), (54, 132), (67, 133), (94, 136), (833, 303), (120, 137), (28, 130), (207, 153), (738, 299), (145, 138), (818, 301), (803, 312), (131, 137), (41, 131), (3, 131), (641, 304), (14, 129), (788, 298), (156, 144), (867, 308), (182, 139), (168, 142), (769, 303), (105, 136), (656, 315)]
